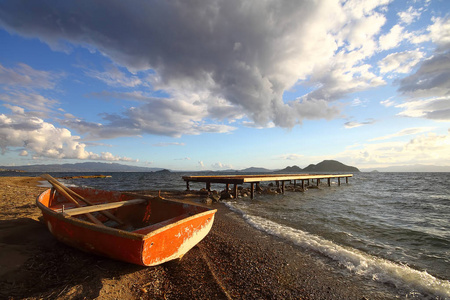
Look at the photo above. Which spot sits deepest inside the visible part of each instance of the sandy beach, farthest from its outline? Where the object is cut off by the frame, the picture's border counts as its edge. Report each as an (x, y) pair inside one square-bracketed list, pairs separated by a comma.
[(235, 261)]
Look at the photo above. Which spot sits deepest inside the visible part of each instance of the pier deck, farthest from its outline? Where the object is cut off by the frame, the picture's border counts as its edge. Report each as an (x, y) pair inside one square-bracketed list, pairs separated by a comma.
[(256, 179)]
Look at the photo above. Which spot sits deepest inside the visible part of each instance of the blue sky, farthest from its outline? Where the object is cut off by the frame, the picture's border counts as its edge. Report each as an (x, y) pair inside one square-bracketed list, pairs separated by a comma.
[(225, 84)]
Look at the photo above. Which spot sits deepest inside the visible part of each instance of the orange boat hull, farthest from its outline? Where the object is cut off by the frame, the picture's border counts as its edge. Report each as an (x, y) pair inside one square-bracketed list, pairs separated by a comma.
[(158, 230)]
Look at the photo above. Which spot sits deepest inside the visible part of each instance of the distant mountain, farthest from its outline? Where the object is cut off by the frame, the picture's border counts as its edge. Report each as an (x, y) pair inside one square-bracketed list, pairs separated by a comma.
[(255, 170), (324, 166), (330, 166), (412, 168), (163, 171), (293, 169), (84, 167)]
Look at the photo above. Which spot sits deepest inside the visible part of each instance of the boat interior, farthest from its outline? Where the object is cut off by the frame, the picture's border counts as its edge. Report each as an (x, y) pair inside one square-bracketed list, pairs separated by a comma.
[(132, 213)]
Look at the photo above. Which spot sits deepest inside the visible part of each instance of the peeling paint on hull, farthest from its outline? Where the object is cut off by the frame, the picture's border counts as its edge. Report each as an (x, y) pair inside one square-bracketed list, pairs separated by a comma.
[(185, 242)]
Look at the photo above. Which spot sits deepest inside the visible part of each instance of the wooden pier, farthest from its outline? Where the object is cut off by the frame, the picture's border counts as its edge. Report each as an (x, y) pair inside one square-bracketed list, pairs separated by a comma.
[(257, 179)]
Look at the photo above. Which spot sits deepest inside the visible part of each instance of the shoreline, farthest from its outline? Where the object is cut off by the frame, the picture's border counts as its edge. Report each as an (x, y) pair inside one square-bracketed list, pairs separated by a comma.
[(235, 260)]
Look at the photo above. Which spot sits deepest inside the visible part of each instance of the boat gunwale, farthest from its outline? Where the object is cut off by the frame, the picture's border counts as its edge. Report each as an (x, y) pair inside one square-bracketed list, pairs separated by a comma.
[(115, 231)]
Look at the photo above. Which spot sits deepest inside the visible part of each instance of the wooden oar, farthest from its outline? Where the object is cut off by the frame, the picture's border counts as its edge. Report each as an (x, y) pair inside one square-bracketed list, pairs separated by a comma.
[(107, 214), (99, 207), (65, 194)]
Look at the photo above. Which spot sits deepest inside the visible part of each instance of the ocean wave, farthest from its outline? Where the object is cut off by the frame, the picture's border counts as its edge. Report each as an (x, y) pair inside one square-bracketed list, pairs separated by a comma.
[(378, 269)]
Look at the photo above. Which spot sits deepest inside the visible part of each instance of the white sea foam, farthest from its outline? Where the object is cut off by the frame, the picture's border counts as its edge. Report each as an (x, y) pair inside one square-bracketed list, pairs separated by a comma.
[(44, 183), (403, 277)]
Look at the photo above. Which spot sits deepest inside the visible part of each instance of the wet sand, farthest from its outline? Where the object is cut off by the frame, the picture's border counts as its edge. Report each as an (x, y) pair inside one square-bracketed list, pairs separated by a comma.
[(235, 261)]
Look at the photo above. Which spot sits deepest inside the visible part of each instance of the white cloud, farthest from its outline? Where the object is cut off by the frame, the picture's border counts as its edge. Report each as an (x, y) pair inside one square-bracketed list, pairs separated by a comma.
[(409, 16), (27, 77), (359, 102), (221, 166), (292, 156), (107, 156), (417, 37), (440, 33), (15, 109), (21, 87), (421, 149), (361, 33), (344, 78), (437, 108), (353, 124), (400, 62), (437, 32), (392, 39), (30, 100), (114, 77), (253, 125), (388, 102), (404, 132), (361, 8), (42, 139), (168, 144), (184, 158)]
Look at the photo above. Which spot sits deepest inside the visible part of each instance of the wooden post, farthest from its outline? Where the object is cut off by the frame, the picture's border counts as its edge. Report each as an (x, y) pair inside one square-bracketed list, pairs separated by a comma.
[(318, 182), (208, 186), (295, 183), (329, 181), (282, 186), (187, 185), (303, 184), (258, 187), (235, 191), (227, 187), (252, 190), (339, 181), (346, 180)]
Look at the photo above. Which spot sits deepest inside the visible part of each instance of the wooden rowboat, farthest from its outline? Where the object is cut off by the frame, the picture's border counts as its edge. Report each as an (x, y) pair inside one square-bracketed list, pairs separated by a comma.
[(142, 230)]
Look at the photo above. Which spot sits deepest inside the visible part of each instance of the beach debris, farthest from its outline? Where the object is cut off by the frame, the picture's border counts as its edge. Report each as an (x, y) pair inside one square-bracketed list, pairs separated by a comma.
[(207, 200), (214, 195)]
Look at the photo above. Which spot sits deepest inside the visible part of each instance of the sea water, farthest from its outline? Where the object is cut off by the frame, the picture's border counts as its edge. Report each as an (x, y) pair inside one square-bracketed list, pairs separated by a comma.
[(391, 228)]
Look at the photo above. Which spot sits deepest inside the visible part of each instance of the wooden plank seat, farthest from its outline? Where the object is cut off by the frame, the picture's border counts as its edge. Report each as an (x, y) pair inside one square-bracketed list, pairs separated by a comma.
[(161, 224), (100, 207)]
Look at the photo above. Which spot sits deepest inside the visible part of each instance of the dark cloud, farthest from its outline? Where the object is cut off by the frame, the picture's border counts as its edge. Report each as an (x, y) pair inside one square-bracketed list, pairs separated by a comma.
[(249, 53), (432, 79), (427, 91), (442, 115), (159, 117)]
